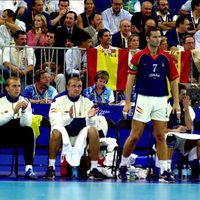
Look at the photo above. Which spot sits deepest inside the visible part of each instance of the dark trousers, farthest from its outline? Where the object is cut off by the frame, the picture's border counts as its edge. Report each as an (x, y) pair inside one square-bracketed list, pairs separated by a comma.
[(14, 135)]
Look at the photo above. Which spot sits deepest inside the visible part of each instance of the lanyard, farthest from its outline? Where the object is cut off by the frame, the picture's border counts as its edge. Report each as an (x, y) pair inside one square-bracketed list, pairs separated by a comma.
[(101, 98), (51, 57), (37, 95)]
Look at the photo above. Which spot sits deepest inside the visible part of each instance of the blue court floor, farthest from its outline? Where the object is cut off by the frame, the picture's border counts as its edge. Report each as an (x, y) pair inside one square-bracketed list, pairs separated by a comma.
[(106, 190)]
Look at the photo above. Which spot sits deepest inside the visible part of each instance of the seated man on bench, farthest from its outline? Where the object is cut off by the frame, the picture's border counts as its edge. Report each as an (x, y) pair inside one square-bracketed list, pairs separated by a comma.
[(180, 126), (71, 114)]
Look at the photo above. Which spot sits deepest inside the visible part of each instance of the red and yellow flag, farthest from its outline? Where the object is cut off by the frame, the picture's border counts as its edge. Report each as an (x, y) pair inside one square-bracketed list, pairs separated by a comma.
[(186, 60), (114, 62)]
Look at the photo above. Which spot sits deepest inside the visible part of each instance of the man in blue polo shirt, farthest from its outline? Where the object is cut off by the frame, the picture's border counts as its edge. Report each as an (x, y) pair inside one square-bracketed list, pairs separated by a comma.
[(151, 66)]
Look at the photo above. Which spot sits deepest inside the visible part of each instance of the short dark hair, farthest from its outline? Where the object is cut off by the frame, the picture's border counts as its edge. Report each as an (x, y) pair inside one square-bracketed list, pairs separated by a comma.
[(194, 3), (180, 20), (151, 29), (17, 33), (72, 12), (63, 0), (83, 36), (91, 17), (11, 13), (181, 87), (101, 32), (38, 73), (186, 37)]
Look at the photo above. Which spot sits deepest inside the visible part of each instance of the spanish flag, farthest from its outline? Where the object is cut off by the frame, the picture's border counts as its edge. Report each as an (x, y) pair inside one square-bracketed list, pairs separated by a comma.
[(115, 62), (186, 61)]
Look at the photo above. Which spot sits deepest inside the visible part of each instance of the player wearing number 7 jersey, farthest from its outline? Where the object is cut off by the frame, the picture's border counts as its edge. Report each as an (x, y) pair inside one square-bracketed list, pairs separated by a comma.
[(149, 69)]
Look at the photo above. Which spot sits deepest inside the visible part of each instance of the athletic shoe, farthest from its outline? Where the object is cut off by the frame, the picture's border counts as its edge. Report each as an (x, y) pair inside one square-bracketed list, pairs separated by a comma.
[(95, 174), (50, 174), (122, 173), (30, 175), (166, 177)]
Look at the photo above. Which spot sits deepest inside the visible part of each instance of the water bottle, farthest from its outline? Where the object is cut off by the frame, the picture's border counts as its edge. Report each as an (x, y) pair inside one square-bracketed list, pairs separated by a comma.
[(176, 172), (189, 173), (74, 172), (132, 176), (184, 174)]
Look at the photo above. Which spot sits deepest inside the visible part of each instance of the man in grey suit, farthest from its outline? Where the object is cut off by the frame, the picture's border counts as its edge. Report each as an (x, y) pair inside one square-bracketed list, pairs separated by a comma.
[(96, 25)]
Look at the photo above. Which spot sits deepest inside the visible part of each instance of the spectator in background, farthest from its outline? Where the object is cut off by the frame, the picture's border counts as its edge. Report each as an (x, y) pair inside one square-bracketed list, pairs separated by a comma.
[(133, 44), (120, 38), (175, 35), (194, 17), (104, 40), (132, 6), (99, 93), (189, 45), (180, 127), (112, 16), (83, 19), (57, 18), (15, 121), (165, 20), (40, 91), (139, 18), (17, 6), (67, 35), (148, 24), (163, 43), (19, 61), (36, 8), (35, 36), (76, 58), (96, 25), (8, 26), (50, 60)]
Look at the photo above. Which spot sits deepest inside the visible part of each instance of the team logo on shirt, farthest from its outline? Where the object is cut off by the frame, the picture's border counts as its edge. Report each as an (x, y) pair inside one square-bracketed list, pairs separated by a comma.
[(54, 110), (163, 65)]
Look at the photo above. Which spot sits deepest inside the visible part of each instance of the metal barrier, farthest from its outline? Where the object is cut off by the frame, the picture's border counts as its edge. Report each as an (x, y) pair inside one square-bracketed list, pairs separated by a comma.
[(51, 59)]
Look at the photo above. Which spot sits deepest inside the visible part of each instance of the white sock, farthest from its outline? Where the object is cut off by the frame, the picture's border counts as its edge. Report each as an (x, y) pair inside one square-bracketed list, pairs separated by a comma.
[(93, 164), (124, 161), (52, 163), (163, 165), (27, 167), (169, 162)]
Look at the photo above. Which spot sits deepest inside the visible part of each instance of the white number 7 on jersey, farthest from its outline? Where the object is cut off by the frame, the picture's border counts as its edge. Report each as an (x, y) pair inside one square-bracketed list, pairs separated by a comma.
[(154, 67)]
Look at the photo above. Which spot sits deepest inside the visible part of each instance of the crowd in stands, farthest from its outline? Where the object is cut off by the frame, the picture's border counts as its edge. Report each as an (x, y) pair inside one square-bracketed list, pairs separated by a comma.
[(44, 43)]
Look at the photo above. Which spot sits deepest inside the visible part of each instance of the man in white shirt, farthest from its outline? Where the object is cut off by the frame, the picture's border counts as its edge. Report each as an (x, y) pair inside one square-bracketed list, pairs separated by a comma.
[(8, 26), (112, 16), (19, 61)]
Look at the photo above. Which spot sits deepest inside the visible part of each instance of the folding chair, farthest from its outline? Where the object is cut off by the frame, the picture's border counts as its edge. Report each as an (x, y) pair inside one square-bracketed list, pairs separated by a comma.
[(144, 146), (14, 160), (111, 133), (196, 127)]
